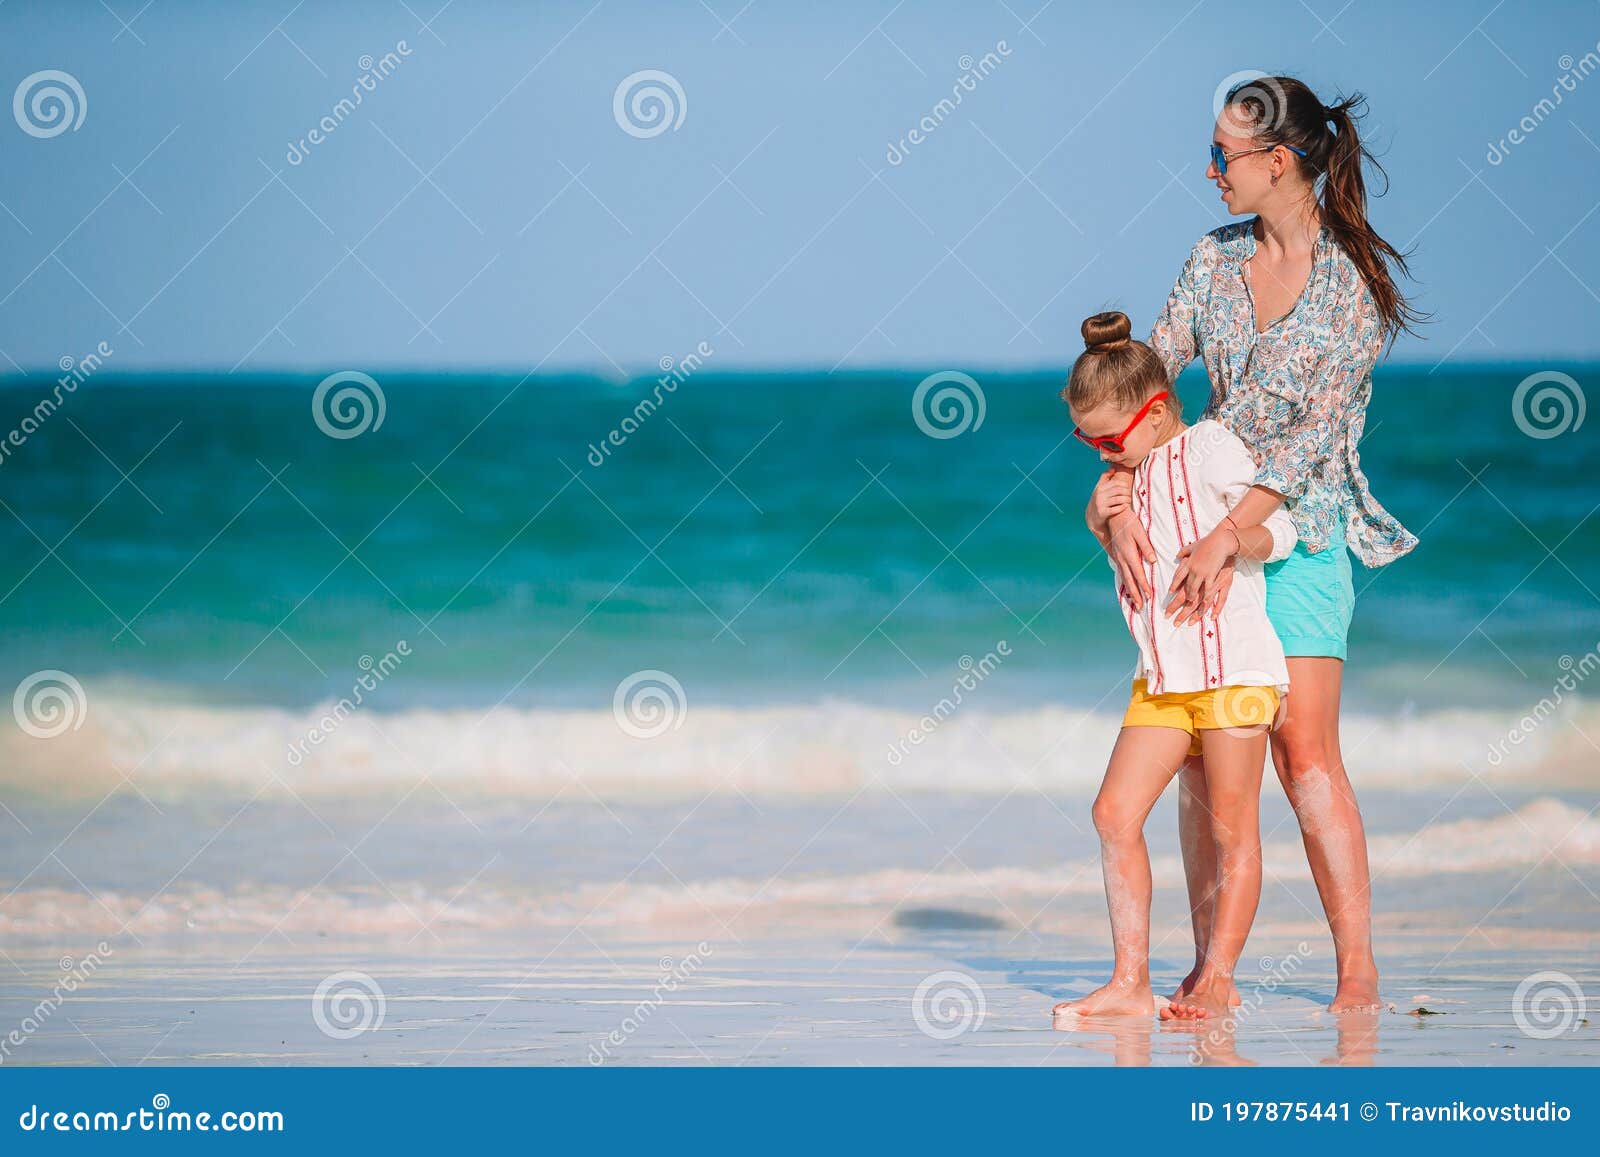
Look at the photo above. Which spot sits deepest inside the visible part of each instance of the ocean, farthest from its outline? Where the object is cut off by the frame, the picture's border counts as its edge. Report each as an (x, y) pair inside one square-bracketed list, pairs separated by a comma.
[(505, 689), (785, 546)]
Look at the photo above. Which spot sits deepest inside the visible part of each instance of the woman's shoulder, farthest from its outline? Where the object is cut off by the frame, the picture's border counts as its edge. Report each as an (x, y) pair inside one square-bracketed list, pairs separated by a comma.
[(1217, 247), (1233, 231), (1225, 238)]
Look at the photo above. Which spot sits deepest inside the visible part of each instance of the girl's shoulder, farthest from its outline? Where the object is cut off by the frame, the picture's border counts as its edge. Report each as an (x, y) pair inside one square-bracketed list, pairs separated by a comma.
[(1211, 446)]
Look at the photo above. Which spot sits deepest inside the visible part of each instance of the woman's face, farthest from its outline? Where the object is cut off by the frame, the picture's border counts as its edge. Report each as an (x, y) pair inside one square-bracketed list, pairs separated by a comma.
[(1248, 180)]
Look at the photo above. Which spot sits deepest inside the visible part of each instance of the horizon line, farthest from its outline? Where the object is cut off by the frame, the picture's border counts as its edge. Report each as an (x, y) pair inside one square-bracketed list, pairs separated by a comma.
[(21, 374)]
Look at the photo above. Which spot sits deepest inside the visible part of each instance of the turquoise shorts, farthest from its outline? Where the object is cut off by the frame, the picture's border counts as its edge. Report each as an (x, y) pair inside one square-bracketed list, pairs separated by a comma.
[(1310, 598)]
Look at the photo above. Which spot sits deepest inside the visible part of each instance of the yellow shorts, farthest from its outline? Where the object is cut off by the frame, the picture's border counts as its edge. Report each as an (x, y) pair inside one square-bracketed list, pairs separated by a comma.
[(1197, 711)]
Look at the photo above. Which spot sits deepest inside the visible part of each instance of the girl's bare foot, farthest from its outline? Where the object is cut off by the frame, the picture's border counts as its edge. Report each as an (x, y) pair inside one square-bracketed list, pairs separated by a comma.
[(1187, 987), (1206, 999), (1114, 998)]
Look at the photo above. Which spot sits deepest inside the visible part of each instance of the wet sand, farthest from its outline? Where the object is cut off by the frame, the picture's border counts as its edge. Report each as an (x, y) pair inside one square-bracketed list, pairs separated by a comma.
[(985, 1000)]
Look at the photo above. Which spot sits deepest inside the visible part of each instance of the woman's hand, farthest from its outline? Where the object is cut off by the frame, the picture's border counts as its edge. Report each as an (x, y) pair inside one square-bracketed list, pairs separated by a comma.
[(1203, 577)]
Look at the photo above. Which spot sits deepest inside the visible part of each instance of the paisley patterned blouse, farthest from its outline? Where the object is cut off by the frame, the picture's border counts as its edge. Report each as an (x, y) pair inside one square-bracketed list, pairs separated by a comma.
[(1296, 394)]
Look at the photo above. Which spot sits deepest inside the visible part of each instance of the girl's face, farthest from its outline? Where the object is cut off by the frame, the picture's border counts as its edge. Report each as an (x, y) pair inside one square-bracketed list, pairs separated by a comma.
[(1109, 420), (1247, 184)]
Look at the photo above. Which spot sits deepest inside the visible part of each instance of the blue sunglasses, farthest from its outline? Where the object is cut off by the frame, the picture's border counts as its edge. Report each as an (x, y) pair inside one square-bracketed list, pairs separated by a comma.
[(1220, 158)]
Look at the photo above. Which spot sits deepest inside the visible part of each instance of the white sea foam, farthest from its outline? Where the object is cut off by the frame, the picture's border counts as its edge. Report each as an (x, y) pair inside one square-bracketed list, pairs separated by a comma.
[(831, 748), (1545, 830)]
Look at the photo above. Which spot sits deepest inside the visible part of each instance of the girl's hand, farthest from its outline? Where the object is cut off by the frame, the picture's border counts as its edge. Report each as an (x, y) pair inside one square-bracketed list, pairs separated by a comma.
[(1199, 583), (1129, 548), (1113, 494)]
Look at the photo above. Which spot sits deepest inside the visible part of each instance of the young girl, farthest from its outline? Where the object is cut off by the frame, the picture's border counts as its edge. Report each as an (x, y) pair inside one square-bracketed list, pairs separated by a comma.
[(1208, 688)]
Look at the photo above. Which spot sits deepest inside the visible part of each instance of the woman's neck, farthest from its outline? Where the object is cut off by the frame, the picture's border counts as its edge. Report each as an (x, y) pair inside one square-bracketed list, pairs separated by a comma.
[(1293, 228)]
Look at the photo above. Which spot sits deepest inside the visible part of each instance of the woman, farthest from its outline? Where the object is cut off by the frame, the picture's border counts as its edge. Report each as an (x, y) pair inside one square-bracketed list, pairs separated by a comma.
[(1289, 311)]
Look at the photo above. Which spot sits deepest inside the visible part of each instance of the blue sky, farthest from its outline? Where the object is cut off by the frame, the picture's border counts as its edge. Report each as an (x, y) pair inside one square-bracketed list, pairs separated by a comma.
[(484, 207)]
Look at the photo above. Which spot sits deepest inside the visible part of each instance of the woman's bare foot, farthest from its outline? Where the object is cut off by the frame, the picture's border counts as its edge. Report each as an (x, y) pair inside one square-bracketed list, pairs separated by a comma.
[(1357, 993), (1114, 998), (1187, 987)]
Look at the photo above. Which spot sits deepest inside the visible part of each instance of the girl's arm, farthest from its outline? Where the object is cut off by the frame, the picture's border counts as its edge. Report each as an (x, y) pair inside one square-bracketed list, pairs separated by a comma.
[(1111, 520)]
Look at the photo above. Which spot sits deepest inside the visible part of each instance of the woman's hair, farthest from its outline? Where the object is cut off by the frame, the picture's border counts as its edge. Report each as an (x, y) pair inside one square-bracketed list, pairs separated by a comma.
[(1114, 368), (1284, 111)]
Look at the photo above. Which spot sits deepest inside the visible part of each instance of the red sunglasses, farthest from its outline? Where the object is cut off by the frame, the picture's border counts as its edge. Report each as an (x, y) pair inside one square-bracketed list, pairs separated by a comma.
[(1113, 443)]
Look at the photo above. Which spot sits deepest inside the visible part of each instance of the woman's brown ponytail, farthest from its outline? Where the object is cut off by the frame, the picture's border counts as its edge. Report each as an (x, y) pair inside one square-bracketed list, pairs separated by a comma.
[(1284, 110)]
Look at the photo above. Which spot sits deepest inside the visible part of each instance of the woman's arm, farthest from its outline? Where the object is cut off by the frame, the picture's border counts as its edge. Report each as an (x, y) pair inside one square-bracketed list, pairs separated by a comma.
[(1253, 542), (1175, 337), (1205, 567)]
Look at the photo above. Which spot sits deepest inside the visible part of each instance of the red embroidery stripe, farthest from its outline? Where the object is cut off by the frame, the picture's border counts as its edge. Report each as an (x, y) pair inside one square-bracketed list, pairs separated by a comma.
[(1221, 669), (1172, 494), (1150, 570)]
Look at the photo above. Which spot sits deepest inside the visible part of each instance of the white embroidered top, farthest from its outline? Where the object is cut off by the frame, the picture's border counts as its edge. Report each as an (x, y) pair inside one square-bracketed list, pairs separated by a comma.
[(1181, 492)]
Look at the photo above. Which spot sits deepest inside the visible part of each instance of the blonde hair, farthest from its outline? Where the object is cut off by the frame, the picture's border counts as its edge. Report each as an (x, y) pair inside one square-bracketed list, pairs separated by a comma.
[(1114, 368)]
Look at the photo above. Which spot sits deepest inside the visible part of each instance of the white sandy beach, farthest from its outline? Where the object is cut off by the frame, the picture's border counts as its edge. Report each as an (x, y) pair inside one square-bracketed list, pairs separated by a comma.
[(751, 931)]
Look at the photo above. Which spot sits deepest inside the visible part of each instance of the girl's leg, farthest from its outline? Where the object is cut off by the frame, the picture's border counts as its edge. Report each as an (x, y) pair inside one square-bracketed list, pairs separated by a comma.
[(1233, 761), (1305, 751), (1142, 764)]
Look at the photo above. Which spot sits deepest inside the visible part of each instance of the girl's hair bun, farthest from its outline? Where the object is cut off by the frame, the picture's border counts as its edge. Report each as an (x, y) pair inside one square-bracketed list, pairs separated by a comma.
[(1106, 331)]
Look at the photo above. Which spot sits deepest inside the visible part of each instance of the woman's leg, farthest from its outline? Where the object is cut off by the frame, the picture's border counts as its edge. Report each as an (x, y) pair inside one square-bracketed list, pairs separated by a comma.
[(1142, 764), (1305, 751), (1199, 864), (1199, 859), (1233, 765)]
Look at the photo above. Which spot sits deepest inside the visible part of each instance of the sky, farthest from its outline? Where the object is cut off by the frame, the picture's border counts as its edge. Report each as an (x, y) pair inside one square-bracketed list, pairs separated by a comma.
[(489, 203)]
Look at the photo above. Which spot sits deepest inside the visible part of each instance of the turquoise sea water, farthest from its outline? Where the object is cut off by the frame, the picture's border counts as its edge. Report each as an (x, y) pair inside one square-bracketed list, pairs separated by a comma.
[(803, 576), (764, 538)]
